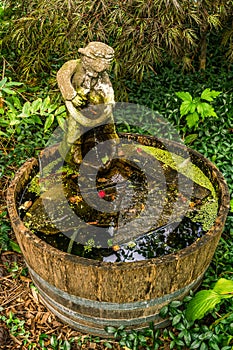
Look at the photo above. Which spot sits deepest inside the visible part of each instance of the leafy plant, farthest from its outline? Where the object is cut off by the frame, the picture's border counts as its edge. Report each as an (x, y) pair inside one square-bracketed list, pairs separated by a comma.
[(147, 339), (18, 330), (15, 115), (185, 334), (205, 300), (16, 326), (231, 205), (6, 88), (197, 109), (164, 28), (5, 242)]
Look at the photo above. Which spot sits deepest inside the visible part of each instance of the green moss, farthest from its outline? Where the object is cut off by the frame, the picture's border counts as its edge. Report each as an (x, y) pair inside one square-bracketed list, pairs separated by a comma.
[(206, 214), (34, 186), (181, 165), (67, 169), (47, 170)]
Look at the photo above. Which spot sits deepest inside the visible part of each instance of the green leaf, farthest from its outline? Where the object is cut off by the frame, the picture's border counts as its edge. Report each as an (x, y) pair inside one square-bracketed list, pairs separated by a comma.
[(36, 119), (26, 109), (164, 311), (3, 134), (3, 82), (110, 329), (190, 138), (45, 105), (185, 108), (61, 122), (14, 122), (211, 112), (8, 91), (52, 108), (48, 122), (176, 319), (224, 287), (231, 205), (196, 344), (192, 119), (35, 106), (204, 346), (66, 345), (185, 96), (53, 341), (14, 83), (60, 110), (16, 102), (187, 337), (175, 303), (15, 247), (209, 95), (205, 110), (203, 302)]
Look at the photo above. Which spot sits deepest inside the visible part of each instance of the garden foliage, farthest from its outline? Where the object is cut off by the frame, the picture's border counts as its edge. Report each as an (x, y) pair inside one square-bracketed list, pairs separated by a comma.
[(143, 33)]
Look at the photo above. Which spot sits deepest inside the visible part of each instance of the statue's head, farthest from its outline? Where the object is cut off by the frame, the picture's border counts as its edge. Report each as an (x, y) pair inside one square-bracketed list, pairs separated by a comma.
[(97, 56)]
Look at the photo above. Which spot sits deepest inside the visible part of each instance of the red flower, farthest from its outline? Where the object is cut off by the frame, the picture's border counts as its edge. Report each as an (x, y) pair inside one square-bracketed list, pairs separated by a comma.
[(139, 150), (101, 193)]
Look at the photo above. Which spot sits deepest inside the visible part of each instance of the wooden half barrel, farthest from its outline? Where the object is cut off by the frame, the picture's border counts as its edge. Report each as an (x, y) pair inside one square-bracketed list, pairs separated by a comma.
[(90, 295)]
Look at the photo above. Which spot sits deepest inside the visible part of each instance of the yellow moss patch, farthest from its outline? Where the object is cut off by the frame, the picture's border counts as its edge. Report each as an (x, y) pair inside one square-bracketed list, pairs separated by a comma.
[(182, 165)]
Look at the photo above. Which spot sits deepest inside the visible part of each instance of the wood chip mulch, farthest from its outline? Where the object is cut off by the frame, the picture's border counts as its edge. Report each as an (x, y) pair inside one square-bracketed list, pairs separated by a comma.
[(19, 297)]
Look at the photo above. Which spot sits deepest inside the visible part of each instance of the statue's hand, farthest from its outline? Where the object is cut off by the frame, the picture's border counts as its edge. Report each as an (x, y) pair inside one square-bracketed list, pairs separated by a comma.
[(79, 100)]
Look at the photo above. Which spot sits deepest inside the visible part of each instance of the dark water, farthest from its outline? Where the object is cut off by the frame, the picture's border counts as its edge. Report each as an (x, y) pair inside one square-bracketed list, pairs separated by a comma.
[(138, 231), (162, 241)]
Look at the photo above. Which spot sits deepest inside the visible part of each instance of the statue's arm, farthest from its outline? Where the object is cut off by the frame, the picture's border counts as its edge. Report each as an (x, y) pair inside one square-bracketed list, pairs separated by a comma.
[(64, 80)]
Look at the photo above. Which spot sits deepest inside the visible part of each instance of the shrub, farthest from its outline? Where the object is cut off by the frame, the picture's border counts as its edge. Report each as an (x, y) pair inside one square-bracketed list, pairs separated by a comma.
[(143, 33)]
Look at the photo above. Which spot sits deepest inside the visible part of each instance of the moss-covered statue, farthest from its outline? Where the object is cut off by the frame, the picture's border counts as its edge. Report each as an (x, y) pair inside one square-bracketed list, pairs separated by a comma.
[(89, 98)]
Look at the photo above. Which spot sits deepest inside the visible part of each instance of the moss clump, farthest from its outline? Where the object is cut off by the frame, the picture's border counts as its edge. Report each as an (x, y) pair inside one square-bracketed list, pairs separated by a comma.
[(34, 186), (205, 215)]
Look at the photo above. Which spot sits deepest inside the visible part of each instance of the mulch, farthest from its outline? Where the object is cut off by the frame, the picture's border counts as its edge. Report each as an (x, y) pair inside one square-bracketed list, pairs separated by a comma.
[(18, 296)]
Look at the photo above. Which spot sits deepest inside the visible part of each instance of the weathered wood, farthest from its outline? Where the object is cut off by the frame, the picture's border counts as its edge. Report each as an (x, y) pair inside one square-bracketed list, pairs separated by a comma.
[(89, 294)]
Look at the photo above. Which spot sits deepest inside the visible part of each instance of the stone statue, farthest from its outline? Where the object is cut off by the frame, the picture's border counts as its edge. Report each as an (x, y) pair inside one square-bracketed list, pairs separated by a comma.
[(89, 98)]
